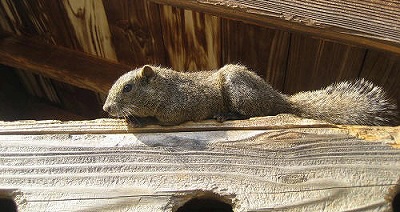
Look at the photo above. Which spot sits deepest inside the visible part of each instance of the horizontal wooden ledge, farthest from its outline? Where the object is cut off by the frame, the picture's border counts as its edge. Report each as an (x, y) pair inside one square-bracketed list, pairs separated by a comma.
[(59, 63), (386, 134), (155, 172), (347, 21), (116, 126)]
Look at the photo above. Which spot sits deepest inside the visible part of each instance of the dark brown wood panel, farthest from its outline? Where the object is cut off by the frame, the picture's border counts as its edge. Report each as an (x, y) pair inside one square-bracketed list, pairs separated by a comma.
[(368, 23), (383, 69), (263, 50), (43, 20), (313, 63), (59, 63), (136, 31), (191, 39)]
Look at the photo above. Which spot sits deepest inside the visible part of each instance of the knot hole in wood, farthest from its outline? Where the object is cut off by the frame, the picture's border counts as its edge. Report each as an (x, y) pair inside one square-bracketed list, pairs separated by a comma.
[(202, 201), (393, 196), (7, 203), (9, 199)]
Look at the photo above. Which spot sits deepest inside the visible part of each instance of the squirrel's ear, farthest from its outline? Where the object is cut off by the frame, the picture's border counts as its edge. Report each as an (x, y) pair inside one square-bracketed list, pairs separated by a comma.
[(148, 72)]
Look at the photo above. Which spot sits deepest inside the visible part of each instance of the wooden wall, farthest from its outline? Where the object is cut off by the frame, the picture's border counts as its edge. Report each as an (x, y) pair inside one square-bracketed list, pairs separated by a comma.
[(137, 32)]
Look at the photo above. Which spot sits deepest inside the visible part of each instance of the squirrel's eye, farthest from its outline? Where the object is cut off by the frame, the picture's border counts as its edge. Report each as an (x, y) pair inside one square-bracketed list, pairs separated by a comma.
[(127, 88)]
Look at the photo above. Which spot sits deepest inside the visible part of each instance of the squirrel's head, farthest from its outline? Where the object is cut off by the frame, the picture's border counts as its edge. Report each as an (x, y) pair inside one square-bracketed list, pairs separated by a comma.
[(133, 94)]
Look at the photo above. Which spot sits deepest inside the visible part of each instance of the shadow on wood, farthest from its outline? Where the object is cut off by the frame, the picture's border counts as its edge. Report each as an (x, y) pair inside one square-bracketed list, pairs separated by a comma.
[(260, 164)]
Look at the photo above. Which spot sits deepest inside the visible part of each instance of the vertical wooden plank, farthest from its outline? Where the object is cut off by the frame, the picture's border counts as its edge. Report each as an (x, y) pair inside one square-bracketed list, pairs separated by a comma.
[(6, 21), (314, 63), (11, 20), (39, 86), (191, 39), (90, 25), (383, 69), (52, 23), (136, 31), (261, 49)]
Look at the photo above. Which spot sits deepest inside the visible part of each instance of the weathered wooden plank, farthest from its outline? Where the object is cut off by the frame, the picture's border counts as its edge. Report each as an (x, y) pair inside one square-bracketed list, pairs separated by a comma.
[(59, 63), (369, 23), (314, 63), (302, 169), (191, 39), (282, 121), (136, 32), (261, 49)]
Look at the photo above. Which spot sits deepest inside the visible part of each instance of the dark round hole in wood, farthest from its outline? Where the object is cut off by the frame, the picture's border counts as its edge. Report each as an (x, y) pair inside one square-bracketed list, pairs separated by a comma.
[(396, 203), (205, 205), (7, 205)]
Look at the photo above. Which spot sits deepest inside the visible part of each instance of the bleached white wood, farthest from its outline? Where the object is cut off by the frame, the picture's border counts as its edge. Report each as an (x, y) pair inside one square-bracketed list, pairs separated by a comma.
[(310, 166)]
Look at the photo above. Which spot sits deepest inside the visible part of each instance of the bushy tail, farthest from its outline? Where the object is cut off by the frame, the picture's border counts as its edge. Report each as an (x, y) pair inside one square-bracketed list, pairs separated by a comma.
[(359, 102)]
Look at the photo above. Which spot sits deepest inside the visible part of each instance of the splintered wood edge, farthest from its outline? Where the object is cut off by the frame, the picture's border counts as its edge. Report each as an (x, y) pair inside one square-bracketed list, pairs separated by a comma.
[(375, 133)]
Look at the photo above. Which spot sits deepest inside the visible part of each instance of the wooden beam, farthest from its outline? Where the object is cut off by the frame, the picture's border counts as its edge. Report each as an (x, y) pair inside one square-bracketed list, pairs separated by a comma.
[(62, 64), (373, 24), (308, 168), (282, 121)]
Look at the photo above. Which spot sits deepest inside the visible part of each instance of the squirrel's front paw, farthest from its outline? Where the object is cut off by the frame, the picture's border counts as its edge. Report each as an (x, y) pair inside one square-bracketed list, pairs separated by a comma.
[(221, 117), (133, 122), (141, 121)]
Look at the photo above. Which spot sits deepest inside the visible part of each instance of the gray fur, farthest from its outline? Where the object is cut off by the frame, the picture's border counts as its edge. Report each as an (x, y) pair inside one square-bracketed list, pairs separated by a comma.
[(235, 92), (358, 102)]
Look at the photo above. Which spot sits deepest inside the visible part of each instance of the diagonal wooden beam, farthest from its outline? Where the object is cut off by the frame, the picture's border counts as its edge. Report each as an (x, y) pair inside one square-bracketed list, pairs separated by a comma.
[(62, 64)]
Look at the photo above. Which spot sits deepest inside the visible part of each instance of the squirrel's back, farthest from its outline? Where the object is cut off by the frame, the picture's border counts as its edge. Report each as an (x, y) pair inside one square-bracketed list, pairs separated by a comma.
[(358, 102), (233, 91)]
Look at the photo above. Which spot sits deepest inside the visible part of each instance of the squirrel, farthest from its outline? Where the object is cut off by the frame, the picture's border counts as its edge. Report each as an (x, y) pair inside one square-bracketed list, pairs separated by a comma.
[(235, 92)]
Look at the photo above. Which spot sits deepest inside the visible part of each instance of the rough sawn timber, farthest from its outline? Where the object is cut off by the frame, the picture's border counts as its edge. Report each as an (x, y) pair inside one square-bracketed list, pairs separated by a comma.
[(279, 163), (371, 23)]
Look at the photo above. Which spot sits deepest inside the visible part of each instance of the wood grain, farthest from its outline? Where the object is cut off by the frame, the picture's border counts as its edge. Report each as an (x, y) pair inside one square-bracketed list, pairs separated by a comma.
[(314, 63), (263, 50), (60, 63), (191, 39), (48, 21), (136, 32), (42, 20), (292, 169), (90, 25), (282, 121), (39, 86), (374, 24)]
